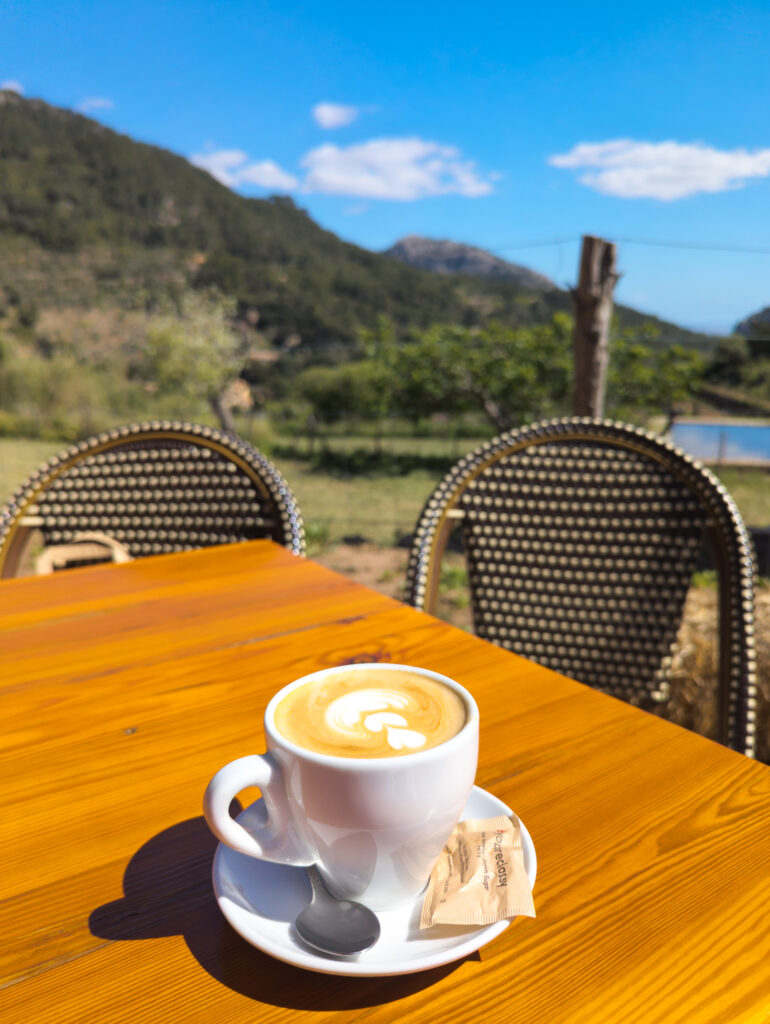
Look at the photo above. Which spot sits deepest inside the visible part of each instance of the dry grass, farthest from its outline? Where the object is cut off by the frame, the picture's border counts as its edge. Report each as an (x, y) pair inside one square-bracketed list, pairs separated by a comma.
[(97, 335), (692, 702)]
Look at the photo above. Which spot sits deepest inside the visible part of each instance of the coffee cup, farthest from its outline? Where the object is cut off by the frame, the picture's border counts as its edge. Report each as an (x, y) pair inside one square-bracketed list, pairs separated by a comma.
[(367, 770)]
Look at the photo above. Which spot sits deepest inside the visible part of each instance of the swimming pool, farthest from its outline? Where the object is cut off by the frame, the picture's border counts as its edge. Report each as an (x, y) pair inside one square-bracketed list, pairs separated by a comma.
[(724, 442)]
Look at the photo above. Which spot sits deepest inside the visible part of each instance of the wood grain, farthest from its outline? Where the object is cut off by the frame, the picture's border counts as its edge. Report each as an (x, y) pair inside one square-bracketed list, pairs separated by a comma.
[(123, 689)]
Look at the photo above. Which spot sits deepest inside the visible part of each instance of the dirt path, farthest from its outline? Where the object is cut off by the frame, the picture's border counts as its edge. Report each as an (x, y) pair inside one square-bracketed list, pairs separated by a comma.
[(384, 569)]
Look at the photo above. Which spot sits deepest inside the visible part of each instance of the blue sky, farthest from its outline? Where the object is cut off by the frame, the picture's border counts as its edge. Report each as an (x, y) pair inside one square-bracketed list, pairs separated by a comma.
[(511, 126)]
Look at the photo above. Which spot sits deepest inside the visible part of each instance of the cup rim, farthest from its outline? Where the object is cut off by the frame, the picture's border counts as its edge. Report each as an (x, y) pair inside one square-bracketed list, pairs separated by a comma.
[(278, 740)]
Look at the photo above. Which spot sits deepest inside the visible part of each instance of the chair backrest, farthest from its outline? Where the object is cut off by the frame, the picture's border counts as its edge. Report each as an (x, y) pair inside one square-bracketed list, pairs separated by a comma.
[(151, 488), (581, 538)]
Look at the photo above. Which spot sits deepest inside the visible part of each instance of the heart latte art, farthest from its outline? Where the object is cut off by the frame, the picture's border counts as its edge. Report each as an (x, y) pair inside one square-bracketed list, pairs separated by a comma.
[(370, 713)]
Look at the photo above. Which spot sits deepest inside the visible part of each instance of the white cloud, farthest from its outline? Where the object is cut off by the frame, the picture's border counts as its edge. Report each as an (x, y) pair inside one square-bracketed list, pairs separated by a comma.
[(267, 174), (220, 163), (94, 103), (233, 168), (12, 86), (662, 170), (403, 169), (334, 115)]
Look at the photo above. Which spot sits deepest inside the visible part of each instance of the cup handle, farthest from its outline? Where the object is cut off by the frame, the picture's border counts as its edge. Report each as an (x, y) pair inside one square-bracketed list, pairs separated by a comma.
[(278, 839)]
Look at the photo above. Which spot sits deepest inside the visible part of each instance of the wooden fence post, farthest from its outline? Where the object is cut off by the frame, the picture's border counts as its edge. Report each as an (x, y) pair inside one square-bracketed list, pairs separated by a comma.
[(593, 308)]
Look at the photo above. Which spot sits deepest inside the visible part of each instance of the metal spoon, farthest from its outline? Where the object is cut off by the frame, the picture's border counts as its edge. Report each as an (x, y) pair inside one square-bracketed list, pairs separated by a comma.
[(337, 927)]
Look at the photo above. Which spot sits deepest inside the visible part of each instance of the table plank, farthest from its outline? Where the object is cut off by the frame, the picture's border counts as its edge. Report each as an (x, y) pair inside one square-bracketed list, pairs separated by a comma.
[(123, 689)]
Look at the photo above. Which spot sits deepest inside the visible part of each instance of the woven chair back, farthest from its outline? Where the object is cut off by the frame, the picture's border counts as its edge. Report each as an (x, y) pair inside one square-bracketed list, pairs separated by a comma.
[(581, 539), (152, 488)]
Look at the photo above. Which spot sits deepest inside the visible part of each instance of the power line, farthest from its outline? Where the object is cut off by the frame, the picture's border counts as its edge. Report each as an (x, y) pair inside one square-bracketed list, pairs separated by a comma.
[(534, 245), (695, 246)]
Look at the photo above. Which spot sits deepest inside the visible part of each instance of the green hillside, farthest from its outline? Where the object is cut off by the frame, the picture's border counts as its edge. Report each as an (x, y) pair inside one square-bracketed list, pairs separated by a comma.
[(85, 197), (91, 218)]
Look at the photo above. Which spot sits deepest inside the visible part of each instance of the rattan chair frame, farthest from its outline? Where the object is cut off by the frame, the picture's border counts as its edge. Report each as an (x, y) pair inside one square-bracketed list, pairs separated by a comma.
[(726, 533), (283, 524)]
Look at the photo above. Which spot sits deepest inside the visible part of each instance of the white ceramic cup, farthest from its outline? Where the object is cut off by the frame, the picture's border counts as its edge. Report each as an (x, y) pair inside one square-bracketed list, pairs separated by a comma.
[(373, 826)]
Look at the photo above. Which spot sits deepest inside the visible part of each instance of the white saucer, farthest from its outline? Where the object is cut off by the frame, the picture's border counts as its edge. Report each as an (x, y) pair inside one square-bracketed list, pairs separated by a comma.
[(261, 900)]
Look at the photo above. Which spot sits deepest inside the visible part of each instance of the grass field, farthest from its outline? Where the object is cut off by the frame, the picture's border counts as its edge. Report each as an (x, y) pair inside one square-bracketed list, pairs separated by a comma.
[(378, 498), (19, 458), (380, 507), (750, 489)]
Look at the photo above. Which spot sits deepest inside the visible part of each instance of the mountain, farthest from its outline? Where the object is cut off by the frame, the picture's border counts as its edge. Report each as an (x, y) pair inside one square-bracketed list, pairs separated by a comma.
[(77, 195), (445, 257), (755, 326), (92, 219)]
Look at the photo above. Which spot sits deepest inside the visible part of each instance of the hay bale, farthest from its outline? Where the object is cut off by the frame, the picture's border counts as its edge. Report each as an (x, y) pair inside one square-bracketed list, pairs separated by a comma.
[(692, 700)]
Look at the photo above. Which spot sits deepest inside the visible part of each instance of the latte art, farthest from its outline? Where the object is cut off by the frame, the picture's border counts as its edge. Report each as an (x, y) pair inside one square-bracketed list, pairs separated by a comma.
[(370, 713), (366, 710)]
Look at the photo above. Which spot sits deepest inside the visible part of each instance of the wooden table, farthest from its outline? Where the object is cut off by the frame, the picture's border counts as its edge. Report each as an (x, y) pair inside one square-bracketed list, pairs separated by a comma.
[(125, 687)]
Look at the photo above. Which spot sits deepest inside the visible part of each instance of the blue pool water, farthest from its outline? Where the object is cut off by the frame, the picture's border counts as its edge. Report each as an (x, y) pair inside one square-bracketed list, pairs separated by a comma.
[(724, 442)]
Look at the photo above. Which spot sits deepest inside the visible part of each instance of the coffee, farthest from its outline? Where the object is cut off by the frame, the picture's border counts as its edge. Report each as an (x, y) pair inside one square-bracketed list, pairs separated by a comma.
[(372, 819), (375, 712)]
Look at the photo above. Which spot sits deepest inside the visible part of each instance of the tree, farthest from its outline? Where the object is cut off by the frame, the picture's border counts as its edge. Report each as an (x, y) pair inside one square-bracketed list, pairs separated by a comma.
[(729, 361), (194, 351), (518, 375), (352, 390), (743, 365), (512, 375), (377, 387), (644, 379)]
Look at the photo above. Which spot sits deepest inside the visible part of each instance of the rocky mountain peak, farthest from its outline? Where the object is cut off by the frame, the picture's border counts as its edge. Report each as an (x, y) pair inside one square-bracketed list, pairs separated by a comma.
[(446, 257)]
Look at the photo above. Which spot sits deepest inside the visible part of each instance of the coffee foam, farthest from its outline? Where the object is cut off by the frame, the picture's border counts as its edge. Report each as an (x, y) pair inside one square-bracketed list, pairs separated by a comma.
[(370, 713)]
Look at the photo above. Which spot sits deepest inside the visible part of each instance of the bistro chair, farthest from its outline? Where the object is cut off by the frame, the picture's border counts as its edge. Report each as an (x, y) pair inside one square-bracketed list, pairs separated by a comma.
[(146, 489), (581, 538)]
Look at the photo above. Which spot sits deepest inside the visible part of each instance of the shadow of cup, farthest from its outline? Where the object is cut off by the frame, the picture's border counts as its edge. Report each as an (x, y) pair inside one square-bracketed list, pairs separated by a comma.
[(167, 891)]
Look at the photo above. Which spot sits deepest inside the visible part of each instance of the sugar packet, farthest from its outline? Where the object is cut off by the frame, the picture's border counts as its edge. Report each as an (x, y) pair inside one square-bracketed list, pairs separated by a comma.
[(480, 876)]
